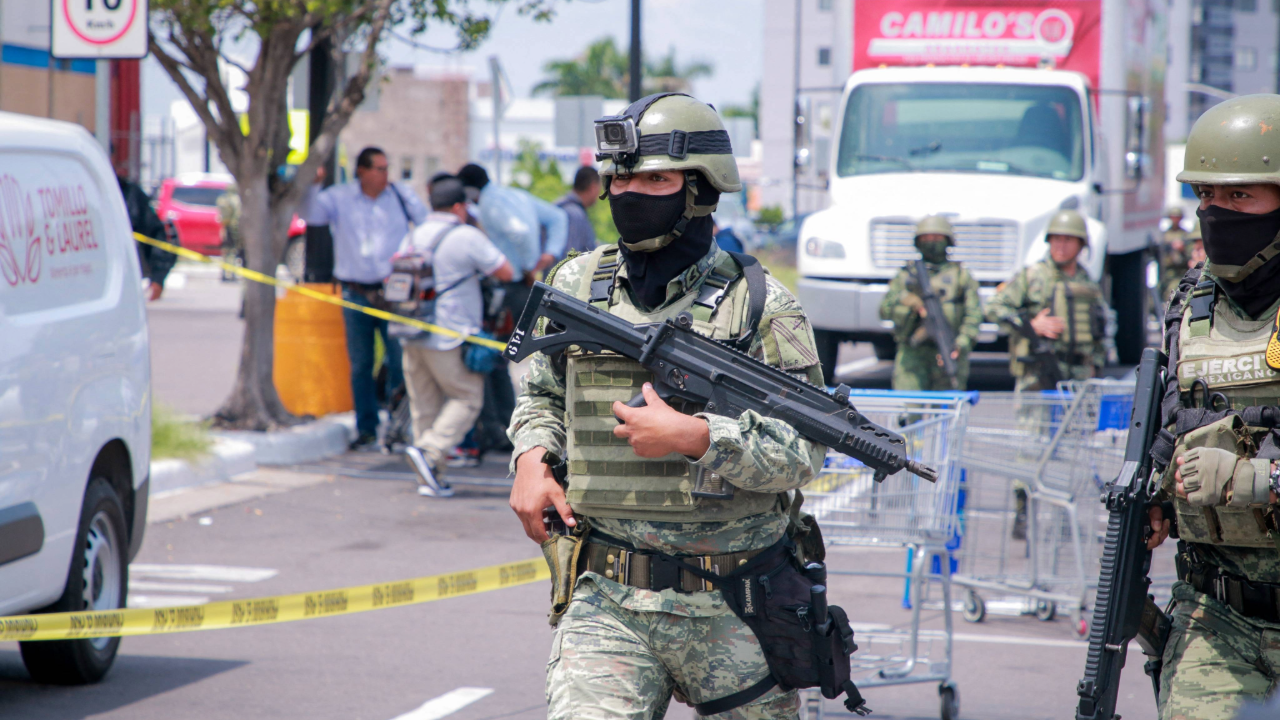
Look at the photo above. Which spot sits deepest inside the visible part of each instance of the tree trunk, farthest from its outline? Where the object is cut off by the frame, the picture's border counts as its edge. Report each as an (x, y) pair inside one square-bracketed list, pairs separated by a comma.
[(254, 403)]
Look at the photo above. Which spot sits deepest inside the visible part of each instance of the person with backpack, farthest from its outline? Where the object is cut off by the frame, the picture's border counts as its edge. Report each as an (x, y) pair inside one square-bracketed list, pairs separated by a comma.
[(445, 389), (368, 219)]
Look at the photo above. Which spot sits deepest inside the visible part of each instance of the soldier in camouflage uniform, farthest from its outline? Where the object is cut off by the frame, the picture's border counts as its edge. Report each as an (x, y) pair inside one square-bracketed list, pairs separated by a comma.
[(229, 231), (1065, 305), (917, 365), (705, 487), (1220, 403), (1173, 253)]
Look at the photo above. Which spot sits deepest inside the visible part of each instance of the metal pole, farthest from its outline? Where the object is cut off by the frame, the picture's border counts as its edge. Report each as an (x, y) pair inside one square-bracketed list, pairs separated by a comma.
[(495, 73), (102, 103), (637, 69), (795, 114)]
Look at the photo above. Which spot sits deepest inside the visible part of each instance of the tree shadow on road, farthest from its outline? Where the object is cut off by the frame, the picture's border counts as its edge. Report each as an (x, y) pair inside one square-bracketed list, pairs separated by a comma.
[(132, 678)]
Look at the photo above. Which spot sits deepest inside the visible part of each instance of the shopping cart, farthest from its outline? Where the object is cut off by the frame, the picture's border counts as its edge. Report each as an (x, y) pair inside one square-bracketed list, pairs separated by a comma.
[(1058, 447), (903, 511)]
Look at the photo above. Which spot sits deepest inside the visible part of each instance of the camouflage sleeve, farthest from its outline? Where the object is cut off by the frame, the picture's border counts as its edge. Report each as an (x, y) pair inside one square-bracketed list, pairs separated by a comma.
[(900, 304), (1009, 300), (1099, 354), (968, 335), (765, 454), (538, 418)]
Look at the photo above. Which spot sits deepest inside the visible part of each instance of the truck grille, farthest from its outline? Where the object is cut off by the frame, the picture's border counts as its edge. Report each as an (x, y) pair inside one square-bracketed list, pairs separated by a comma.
[(984, 246)]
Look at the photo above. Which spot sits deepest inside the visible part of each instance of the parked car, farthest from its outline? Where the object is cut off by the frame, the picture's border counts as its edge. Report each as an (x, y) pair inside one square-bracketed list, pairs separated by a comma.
[(784, 235), (190, 203), (75, 389)]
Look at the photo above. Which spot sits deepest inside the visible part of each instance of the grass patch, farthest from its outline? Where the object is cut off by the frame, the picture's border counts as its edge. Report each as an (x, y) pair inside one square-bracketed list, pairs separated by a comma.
[(174, 437), (782, 265)]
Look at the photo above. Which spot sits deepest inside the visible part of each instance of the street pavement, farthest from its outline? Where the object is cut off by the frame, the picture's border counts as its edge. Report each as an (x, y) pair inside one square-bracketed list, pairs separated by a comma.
[(196, 334)]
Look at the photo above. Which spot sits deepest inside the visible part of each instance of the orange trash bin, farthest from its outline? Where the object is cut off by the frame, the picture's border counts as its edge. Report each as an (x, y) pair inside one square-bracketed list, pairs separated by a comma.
[(312, 373)]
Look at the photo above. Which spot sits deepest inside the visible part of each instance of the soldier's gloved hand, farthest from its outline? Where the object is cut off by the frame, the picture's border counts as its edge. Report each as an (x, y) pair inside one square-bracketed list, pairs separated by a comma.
[(1206, 474), (914, 302)]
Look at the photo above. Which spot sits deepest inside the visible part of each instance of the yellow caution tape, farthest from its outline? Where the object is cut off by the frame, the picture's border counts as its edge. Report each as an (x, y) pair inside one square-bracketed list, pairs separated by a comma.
[(269, 610), (256, 276)]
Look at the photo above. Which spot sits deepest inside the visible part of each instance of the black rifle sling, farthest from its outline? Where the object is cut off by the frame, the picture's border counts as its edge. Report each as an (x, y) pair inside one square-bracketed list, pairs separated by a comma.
[(756, 292)]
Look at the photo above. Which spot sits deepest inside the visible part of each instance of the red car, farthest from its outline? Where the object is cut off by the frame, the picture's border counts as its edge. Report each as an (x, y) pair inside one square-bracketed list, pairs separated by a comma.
[(190, 202)]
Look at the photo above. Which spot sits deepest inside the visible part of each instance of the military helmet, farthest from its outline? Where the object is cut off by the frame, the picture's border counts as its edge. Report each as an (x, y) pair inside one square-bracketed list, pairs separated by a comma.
[(935, 225), (1236, 142), (670, 131), (1194, 234), (1174, 211), (1068, 222)]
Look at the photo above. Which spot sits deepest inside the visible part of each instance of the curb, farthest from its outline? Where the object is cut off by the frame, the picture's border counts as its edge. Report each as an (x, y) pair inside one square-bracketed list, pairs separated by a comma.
[(238, 452), (227, 459)]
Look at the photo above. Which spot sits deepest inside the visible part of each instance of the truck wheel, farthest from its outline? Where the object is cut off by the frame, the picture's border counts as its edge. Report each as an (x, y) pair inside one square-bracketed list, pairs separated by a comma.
[(885, 348), (828, 346), (97, 580), (1129, 297)]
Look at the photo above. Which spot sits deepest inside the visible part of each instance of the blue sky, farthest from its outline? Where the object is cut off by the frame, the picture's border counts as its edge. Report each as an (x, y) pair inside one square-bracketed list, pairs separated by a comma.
[(727, 33)]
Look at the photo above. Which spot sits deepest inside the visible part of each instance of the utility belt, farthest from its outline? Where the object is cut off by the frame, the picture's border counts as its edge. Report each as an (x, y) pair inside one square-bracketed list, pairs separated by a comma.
[(1255, 600), (1074, 358), (805, 641), (653, 570)]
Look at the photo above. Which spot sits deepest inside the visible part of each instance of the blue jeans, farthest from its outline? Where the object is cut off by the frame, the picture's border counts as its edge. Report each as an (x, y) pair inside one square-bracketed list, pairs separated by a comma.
[(360, 330)]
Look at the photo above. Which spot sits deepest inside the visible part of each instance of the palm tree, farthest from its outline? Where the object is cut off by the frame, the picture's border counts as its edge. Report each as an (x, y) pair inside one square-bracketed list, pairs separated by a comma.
[(603, 69)]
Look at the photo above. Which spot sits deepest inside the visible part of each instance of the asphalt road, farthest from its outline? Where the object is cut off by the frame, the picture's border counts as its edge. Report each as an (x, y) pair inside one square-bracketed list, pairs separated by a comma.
[(341, 531), (196, 334)]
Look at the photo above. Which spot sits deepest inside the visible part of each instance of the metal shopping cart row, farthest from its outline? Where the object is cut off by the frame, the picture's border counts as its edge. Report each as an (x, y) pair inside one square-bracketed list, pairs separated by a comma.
[(1054, 448)]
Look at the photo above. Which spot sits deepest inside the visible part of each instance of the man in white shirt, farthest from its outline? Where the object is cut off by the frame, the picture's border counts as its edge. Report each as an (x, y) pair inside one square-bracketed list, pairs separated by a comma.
[(368, 219), (444, 396)]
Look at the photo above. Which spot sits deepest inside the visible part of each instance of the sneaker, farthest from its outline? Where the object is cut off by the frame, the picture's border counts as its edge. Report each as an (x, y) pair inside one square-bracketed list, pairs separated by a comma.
[(429, 483), (464, 458), (362, 443)]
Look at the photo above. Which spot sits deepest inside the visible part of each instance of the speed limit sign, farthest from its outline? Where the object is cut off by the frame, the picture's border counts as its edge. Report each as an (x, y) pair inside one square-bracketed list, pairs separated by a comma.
[(99, 28)]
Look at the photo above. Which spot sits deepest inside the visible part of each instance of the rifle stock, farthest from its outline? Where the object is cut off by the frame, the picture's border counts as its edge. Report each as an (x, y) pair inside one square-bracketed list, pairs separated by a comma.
[(701, 370), (935, 322), (1122, 600)]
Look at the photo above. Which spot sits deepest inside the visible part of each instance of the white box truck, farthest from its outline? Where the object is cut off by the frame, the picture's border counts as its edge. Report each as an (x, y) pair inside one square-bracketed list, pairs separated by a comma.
[(996, 115)]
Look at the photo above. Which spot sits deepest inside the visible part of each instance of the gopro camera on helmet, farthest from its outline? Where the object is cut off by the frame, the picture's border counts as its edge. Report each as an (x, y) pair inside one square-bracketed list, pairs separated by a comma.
[(617, 136)]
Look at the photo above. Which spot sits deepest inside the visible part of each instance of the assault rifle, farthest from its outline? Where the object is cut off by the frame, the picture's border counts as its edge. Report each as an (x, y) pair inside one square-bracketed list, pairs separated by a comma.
[(1122, 609), (698, 369), (1042, 357), (935, 321)]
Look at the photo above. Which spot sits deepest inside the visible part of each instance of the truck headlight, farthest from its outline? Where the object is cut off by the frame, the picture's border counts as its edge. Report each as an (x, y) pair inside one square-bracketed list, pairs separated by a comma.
[(823, 248)]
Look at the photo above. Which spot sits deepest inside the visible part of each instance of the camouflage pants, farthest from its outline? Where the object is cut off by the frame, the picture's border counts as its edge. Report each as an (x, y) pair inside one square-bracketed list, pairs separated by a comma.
[(1215, 659), (608, 662), (916, 368), (1028, 381)]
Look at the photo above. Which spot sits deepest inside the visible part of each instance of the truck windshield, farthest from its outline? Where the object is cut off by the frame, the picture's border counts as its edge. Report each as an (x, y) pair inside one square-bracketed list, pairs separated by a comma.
[(954, 127)]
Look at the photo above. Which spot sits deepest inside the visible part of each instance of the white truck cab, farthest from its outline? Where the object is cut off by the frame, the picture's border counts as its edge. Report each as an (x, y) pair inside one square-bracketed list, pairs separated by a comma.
[(75, 390), (996, 150)]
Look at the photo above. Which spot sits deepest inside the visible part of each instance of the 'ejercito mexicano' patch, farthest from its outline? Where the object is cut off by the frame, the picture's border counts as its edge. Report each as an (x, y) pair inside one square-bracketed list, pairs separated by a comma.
[(1246, 369)]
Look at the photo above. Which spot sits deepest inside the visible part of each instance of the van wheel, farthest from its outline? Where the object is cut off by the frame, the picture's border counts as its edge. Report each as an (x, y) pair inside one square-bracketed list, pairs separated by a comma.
[(98, 580)]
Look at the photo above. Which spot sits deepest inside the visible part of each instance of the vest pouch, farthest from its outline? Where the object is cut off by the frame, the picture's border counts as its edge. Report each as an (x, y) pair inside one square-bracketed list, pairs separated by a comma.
[(562, 552), (1219, 525)]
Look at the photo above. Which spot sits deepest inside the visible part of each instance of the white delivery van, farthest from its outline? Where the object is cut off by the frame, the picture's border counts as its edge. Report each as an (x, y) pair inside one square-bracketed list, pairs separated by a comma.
[(75, 389)]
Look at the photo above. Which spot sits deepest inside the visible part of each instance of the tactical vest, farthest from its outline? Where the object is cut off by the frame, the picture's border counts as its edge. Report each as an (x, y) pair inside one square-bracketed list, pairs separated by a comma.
[(1079, 303), (607, 479), (1221, 365)]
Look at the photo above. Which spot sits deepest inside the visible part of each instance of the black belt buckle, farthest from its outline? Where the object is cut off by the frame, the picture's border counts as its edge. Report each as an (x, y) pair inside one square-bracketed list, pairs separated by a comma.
[(664, 574)]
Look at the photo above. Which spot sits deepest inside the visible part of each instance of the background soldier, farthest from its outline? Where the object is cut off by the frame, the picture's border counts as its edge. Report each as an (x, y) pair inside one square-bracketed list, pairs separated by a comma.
[(917, 365), (1065, 305), (625, 642), (229, 228), (1173, 253), (1224, 646)]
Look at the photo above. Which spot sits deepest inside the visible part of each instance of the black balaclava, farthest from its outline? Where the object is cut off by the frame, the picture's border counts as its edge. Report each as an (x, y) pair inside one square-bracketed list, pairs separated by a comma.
[(1231, 240), (934, 252), (639, 217)]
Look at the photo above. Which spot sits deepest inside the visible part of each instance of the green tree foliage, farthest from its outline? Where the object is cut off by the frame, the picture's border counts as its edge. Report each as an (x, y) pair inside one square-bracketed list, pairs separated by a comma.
[(542, 178), (193, 40), (603, 69), (751, 110)]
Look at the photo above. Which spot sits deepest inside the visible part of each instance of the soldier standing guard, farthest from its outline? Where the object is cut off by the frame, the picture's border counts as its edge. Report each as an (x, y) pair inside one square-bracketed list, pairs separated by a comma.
[(1173, 253), (1218, 456), (668, 483), (1063, 303), (917, 365)]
